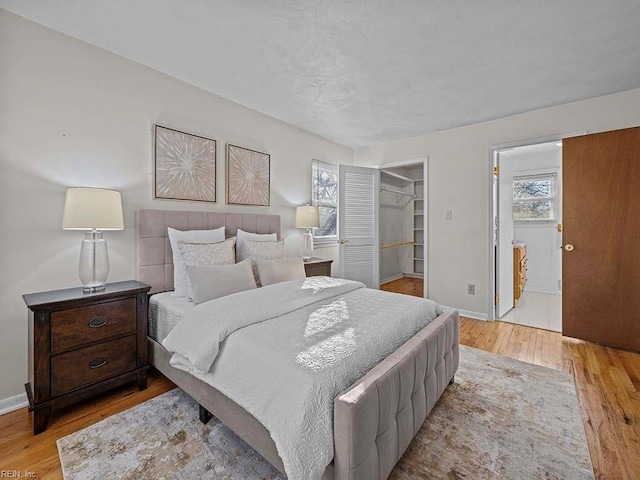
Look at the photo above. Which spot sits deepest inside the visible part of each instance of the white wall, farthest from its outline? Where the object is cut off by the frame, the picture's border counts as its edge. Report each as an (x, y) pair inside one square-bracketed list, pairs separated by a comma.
[(459, 181), (72, 115), (544, 257)]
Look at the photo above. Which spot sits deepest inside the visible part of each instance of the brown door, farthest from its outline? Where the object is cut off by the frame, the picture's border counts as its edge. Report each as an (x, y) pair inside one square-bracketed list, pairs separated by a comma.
[(601, 257)]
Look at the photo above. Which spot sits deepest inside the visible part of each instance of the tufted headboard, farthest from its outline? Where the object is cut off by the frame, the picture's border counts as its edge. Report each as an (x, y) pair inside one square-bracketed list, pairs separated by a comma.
[(154, 260)]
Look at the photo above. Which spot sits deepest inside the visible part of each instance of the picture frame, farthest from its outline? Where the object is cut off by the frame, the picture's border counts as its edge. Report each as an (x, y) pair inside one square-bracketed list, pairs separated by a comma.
[(248, 175), (185, 166)]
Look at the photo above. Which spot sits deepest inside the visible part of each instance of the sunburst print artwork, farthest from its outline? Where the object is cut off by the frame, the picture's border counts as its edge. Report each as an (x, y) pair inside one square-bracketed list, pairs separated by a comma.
[(185, 166), (248, 177)]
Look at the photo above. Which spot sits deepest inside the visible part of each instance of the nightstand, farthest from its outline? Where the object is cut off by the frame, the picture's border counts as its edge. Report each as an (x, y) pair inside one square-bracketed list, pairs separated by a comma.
[(83, 344), (318, 267)]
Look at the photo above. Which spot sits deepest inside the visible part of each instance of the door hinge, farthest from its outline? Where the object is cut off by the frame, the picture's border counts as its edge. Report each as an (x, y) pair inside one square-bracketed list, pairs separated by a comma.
[(496, 299), (496, 170)]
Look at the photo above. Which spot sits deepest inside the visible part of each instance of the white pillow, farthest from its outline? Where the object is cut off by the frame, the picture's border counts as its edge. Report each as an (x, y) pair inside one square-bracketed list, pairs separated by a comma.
[(243, 237), (280, 270), (206, 254), (215, 281), (263, 250), (180, 278)]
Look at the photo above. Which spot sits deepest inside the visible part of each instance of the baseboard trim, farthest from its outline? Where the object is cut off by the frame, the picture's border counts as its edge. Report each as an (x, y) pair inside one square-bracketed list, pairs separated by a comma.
[(549, 291), (470, 314), (391, 279), (13, 403)]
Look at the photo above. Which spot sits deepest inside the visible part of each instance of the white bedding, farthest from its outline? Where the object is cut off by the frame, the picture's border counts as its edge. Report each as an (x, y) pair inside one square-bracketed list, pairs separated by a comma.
[(285, 351), (165, 311)]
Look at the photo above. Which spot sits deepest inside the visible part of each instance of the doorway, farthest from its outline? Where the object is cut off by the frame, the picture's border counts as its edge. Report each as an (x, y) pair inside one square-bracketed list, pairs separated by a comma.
[(527, 234), (402, 227), (382, 224)]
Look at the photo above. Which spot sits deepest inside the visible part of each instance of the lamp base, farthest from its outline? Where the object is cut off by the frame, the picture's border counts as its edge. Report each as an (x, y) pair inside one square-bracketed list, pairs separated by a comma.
[(90, 290), (307, 245), (94, 262)]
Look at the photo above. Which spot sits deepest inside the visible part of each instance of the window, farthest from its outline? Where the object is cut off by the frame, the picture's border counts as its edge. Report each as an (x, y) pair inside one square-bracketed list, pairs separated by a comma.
[(534, 197), (325, 196)]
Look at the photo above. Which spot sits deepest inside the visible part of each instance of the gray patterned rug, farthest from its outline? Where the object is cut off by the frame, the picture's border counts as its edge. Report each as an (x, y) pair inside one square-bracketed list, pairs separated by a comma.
[(501, 419)]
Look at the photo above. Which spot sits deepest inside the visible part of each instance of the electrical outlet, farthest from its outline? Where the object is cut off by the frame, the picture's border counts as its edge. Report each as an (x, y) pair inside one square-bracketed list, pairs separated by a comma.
[(449, 215), (471, 289)]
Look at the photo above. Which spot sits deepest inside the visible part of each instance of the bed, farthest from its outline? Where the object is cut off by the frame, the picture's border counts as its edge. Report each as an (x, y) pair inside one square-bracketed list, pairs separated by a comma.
[(374, 419)]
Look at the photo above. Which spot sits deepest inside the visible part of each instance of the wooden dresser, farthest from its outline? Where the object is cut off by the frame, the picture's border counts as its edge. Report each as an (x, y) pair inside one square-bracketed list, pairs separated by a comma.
[(83, 344), (318, 267), (519, 271)]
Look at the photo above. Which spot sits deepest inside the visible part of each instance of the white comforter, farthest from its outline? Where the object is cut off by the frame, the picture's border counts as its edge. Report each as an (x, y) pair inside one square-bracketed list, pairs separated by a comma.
[(285, 351)]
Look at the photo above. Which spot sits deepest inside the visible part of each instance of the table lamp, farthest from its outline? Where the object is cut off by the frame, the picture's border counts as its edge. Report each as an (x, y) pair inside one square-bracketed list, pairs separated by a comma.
[(94, 210), (307, 217)]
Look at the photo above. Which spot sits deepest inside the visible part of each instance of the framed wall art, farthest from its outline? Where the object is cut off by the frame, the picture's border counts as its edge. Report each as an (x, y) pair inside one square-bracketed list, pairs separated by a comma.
[(248, 177), (185, 166)]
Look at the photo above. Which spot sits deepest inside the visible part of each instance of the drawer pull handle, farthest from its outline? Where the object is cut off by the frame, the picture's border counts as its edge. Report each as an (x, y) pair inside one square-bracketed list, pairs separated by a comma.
[(98, 322), (98, 362)]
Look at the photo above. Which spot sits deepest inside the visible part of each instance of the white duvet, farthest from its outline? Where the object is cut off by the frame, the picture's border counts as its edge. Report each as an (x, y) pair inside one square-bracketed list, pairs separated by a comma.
[(285, 351)]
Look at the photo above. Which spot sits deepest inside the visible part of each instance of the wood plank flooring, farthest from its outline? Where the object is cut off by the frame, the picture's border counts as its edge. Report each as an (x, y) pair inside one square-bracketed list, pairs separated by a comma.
[(607, 381)]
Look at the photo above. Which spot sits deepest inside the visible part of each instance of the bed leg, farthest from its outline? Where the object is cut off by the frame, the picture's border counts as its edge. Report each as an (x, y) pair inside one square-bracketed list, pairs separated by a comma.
[(205, 415), (452, 380)]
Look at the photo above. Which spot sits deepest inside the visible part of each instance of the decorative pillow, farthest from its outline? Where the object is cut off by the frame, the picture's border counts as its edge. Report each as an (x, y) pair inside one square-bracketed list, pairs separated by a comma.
[(243, 237), (280, 270), (264, 250), (180, 278), (215, 281), (206, 254)]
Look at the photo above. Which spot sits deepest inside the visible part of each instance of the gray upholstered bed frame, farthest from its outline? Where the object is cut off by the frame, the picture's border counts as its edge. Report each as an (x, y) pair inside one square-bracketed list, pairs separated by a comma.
[(374, 420)]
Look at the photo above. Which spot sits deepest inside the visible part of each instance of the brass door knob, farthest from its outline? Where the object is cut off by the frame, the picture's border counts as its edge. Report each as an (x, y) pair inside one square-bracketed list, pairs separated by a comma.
[(568, 247), (343, 241)]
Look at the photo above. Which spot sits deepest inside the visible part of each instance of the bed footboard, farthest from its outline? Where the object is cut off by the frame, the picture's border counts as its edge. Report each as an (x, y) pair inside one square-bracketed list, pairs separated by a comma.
[(376, 419)]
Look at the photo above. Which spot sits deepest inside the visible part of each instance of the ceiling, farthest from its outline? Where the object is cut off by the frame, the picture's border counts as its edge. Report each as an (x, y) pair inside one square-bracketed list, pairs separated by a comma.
[(366, 71)]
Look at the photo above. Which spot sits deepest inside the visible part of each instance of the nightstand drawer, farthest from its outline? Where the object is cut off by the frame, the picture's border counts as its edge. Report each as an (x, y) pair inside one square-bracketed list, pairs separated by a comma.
[(92, 364), (78, 326)]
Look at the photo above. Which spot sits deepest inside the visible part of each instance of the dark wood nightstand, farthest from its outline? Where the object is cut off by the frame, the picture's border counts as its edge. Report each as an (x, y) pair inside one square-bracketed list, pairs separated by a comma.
[(83, 344), (318, 267)]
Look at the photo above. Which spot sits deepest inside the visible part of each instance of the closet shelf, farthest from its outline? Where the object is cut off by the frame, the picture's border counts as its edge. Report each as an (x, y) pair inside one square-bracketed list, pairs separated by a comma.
[(395, 244), (418, 259), (397, 175), (418, 213), (419, 229)]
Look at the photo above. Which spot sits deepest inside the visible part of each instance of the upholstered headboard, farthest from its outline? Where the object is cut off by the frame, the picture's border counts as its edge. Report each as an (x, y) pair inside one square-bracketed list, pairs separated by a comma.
[(154, 260)]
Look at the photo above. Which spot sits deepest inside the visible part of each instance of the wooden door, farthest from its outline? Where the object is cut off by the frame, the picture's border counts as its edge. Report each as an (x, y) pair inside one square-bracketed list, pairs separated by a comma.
[(601, 256), (358, 209)]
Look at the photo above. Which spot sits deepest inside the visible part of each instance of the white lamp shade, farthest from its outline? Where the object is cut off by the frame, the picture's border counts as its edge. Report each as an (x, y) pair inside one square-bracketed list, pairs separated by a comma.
[(307, 217), (88, 208)]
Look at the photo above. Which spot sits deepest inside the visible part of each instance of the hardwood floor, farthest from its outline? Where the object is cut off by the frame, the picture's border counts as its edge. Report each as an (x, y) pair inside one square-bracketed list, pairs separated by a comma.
[(607, 381), (408, 286), (22, 451)]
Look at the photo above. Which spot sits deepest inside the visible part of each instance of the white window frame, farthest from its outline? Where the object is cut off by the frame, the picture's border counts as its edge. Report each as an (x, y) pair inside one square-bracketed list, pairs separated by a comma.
[(552, 198), (324, 239)]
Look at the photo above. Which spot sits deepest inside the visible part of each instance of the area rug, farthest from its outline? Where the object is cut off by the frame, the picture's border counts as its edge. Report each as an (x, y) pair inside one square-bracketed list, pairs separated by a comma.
[(502, 418)]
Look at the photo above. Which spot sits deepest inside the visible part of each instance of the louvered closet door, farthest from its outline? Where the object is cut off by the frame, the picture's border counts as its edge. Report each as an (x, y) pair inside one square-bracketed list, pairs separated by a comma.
[(358, 189)]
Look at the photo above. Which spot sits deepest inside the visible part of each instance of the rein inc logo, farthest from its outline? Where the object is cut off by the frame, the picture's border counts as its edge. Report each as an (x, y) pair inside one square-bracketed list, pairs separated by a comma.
[(17, 474)]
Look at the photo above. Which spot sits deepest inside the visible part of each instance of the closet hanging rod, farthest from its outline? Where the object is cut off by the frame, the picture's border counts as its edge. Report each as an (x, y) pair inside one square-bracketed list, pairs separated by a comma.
[(396, 244), (399, 192)]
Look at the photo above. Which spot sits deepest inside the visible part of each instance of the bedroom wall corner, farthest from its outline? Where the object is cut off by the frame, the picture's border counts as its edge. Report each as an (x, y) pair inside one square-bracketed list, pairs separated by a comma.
[(72, 114)]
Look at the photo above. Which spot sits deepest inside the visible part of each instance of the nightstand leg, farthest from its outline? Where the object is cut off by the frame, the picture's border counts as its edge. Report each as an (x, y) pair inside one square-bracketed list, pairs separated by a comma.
[(41, 419), (142, 380)]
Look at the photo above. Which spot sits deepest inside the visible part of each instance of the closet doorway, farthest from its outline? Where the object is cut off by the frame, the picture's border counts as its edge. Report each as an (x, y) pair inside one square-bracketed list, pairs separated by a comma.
[(403, 227)]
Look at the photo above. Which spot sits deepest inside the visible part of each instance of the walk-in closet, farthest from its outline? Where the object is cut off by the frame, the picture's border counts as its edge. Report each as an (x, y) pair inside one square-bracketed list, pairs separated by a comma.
[(402, 222)]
